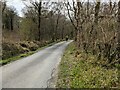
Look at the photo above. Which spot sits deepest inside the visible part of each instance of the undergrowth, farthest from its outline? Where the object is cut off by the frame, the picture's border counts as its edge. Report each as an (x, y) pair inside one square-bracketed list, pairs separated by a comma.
[(83, 71)]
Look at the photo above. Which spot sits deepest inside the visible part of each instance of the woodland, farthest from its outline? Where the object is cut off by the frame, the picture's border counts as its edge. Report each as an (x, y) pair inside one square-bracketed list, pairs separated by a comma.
[(94, 25)]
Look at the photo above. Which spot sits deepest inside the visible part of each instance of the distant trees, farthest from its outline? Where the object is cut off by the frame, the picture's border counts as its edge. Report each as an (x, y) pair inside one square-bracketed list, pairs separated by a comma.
[(11, 15), (43, 23), (28, 29), (3, 5), (8, 17), (38, 8)]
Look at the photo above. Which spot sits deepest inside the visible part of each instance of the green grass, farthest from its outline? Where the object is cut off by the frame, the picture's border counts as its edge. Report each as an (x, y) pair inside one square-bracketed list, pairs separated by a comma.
[(14, 58), (81, 72), (6, 61)]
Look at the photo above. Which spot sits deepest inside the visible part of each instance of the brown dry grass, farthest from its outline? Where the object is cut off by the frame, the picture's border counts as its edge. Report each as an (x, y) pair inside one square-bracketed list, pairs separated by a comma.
[(12, 36)]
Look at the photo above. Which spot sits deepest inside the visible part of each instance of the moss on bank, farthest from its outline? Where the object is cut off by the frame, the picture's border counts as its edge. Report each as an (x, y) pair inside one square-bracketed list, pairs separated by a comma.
[(77, 71), (14, 51)]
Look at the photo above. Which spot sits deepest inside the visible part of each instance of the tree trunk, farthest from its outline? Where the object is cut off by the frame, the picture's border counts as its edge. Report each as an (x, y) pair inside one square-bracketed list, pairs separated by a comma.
[(93, 32), (79, 24), (39, 20), (57, 25), (97, 8), (11, 24)]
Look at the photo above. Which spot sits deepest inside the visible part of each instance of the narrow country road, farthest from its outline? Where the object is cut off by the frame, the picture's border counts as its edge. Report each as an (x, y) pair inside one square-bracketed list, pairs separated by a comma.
[(33, 71)]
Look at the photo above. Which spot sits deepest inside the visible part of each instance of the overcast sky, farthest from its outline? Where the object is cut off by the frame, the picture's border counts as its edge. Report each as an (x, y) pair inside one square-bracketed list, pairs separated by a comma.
[(18, 4)]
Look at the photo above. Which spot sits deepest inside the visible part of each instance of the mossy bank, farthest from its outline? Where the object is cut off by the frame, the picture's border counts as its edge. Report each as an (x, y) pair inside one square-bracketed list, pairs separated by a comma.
[(12, 51)]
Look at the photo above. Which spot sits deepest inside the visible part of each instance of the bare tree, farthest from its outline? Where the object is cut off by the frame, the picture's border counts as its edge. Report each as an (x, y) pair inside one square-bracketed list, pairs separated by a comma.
[(38, 8), (37, 5)]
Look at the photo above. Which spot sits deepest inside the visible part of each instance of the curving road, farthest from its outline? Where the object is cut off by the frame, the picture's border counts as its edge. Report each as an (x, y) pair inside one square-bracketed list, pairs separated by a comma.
[(33, 71)]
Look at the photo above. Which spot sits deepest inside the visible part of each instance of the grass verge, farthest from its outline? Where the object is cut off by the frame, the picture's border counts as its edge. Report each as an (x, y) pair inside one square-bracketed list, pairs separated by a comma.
[(81, 72), (9, 60)]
